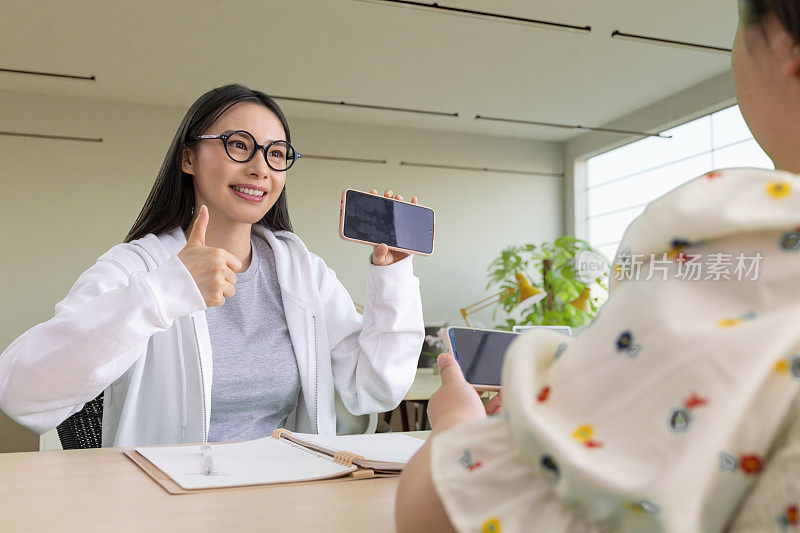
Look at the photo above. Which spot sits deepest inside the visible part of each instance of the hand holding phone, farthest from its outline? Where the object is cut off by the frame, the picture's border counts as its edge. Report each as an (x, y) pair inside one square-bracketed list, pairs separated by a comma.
[(456, 400), (481, 353), (394, 227)]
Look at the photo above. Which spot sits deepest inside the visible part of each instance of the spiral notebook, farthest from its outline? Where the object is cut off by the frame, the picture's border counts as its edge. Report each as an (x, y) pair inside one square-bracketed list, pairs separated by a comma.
[(385, 452), (285, 457)]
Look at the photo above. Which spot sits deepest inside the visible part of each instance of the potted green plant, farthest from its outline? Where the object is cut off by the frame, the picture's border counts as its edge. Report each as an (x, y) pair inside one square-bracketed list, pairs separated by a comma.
[(574, 292)]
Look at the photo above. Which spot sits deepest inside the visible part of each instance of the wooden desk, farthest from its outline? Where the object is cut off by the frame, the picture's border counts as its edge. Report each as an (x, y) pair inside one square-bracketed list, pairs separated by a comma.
[(425, 384), (102, 490)]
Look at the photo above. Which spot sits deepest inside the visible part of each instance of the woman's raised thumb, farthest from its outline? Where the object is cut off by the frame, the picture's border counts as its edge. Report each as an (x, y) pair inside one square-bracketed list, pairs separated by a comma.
[(198, 235)]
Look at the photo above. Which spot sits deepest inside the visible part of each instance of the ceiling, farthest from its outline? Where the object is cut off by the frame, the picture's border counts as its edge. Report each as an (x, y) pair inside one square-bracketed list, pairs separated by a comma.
[(169, 52)]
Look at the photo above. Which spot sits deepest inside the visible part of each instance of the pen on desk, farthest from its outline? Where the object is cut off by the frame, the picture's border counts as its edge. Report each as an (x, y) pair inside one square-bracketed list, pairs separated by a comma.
[(208, 459)]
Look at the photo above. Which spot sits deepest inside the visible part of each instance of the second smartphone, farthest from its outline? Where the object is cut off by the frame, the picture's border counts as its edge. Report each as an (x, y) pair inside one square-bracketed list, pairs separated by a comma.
[(481, 353)]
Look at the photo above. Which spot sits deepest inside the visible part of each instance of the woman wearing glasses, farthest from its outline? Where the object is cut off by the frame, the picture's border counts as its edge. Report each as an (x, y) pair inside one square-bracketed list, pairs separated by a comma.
[(213, 322)]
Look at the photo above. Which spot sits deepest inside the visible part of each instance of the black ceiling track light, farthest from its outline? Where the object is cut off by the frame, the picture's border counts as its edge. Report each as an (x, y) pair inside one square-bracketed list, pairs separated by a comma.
[(366, 106), (573, 127), (616, 34), (48, 74), (452, 10), (54, 137), (347, 159), (482, 169)]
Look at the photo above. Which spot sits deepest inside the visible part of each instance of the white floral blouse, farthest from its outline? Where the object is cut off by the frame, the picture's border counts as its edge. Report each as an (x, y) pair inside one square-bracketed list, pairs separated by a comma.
[(663, 413)]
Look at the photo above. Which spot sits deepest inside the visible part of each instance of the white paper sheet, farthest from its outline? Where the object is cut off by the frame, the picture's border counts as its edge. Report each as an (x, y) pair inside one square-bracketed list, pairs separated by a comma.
[(254, 462)]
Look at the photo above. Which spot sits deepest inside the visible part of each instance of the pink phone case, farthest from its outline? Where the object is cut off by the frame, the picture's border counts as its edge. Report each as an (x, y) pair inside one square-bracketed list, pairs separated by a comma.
[(341, 225)]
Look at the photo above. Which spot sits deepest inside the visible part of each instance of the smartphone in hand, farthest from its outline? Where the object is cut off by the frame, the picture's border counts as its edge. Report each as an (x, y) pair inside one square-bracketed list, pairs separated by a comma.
[(481, 353), (372, 219)]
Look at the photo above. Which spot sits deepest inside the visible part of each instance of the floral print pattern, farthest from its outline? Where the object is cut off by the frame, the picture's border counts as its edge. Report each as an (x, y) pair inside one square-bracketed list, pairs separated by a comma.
[(790, 241), (788, 365), (677, 253), (549, 465), (643, 506), (544, 394), (748, 464), (681, 417), (728, 462), (695, 401), (789, 517), (625, 344), (560, 350), (491, 525), (585, 434), (679, 420), (736, 321), (779, 189), (467, 462), (642, 386)]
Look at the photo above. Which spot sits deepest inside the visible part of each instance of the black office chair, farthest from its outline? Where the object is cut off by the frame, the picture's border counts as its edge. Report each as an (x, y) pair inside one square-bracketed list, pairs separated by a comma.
[(84, 429)]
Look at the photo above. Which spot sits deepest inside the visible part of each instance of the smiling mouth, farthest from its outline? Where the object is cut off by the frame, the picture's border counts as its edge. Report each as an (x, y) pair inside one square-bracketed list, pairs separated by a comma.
[(251, 192)]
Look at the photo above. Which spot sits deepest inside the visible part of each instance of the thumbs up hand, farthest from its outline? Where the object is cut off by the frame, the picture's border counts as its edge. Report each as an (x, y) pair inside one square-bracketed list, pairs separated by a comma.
[(212, 268)]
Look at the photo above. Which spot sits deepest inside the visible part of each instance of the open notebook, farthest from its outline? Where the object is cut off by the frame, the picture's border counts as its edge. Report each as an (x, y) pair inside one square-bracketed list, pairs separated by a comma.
[(285, 457)]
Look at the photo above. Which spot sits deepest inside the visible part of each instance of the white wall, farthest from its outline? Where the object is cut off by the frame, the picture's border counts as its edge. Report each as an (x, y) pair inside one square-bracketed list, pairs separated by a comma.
[(63, 203), (695, 102)]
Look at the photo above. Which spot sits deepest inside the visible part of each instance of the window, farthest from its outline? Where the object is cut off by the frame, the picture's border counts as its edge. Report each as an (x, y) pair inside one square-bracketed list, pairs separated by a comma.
[(620, 183)]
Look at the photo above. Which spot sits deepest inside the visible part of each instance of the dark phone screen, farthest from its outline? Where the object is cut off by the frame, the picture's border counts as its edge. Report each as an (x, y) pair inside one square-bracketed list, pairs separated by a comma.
[(481, 353), (379, 220)]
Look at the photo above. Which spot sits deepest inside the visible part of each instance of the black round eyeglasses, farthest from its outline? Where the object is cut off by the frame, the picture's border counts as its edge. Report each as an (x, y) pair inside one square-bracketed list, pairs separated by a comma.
[(241, 147)]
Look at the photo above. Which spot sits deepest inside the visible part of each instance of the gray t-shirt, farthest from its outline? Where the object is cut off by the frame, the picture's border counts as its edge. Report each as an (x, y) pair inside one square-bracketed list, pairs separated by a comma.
[(256, 382)]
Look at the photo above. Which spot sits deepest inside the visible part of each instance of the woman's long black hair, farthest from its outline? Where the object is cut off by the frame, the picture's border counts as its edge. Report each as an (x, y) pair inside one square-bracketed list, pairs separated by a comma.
[(786, 11), (171, 201)]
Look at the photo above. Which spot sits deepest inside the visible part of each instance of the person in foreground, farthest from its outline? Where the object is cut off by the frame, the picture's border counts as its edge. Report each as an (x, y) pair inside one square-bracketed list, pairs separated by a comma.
[(213, 321), (677, 410)]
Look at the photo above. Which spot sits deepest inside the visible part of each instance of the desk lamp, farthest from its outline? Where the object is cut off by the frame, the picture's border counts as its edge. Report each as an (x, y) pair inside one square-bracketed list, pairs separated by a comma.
[(528, 295)]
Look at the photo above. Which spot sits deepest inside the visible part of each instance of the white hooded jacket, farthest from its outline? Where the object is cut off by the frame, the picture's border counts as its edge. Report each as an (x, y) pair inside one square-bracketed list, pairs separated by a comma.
[(134, 325)]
